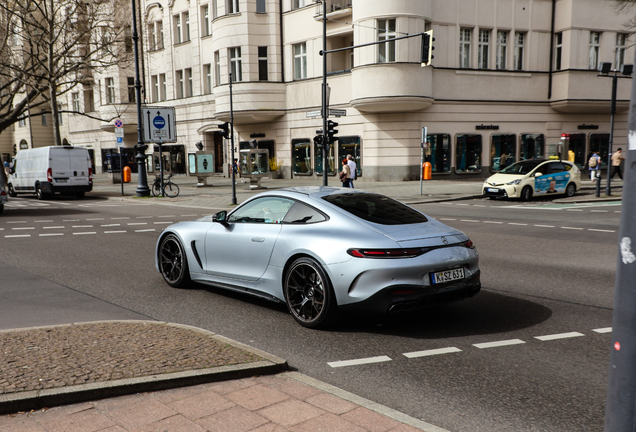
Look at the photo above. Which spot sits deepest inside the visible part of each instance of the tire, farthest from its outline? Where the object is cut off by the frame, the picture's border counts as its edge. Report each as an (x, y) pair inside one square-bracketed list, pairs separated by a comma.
[(39, 193), (173, 262), (526, 193), (309, 294), (171, 190), (12, 192), (156, 189), (570, 190)]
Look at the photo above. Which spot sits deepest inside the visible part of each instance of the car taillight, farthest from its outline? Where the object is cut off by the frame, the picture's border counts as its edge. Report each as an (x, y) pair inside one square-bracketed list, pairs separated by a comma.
[(49, 174), (90, 174), (3, 193), (387, 253), (469, 244)]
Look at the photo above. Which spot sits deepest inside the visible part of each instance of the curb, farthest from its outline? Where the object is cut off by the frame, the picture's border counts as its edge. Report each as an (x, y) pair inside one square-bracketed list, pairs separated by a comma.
[(36, 399)]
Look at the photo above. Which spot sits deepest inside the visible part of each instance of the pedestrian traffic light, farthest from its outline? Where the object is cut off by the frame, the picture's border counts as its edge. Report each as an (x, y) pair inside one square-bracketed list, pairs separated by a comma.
[(331, 131), (318, 140), (427, 47), (225, 130)]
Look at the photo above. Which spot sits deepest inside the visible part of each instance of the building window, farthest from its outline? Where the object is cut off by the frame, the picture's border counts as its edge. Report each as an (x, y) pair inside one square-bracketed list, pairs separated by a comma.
[(189, 83), (207, 83), (558, 50), (236, 67), (464, 47), (43, 116), (483, 51), (350, 145), (300, 61), (301, 156), (595, 43), (503, 151), (205, 25), (502, 49), (89, 105), (217, 68), (263, 74), (59, 115), (260, 6), (179, 86), (531, 146), (386, 32), (577, 145), (331, 159), (232, 6), (297, 4), (110, 90), (164, 87), (177, 29), (154, 83), (128, 42), (468, 153), (215, 10), (131, 89), (76, 102), (22, 122), (619, 57), (152, 37), (599, 143), (159, 34), (519, 42), (186, 26), (438, 152)]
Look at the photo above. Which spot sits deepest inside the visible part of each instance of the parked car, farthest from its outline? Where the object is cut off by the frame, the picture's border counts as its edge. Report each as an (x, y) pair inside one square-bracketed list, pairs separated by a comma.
[(3, 189), (531, 177), (324, 250), (44, 171)]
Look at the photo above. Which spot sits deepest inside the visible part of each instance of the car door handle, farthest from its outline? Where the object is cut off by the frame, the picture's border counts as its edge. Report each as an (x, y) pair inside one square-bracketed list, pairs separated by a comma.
[(258, 240)]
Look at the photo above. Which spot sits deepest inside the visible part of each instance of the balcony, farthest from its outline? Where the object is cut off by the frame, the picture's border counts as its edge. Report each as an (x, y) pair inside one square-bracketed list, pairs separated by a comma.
[(343, 7)]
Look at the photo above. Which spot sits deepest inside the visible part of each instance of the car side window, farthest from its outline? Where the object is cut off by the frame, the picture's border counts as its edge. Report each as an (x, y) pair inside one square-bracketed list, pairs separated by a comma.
[(262, 210), (303, 214), (556, 167)]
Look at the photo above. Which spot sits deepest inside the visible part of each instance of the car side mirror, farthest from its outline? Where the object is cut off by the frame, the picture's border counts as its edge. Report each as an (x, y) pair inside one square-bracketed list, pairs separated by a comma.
[(220, 217), (538, 174)]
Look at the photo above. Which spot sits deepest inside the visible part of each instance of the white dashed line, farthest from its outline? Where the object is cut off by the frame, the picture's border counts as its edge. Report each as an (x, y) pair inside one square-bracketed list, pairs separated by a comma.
[(70, 220), (574, 210), (138, 223), (167, 216), (572, 228), (114, 232), (603, 330), (43, 221), (600, 230), (144, 217), (515, 223), (23, 228), (446, 219), (545, 226), (17, 222), (120, 218), (82, 226), (145, 230), (51, 234), (362, 361), (95, 219), (15, 236), (188, 215), (468, 220), (499, 343), (83, 233), (159, 223), (598, 211), (110, 225), (432, 352), (493, 222), (559, 336)]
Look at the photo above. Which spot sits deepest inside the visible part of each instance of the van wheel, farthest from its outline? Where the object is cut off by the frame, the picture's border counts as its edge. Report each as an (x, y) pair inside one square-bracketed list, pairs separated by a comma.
[(39, 193), (12, 193)]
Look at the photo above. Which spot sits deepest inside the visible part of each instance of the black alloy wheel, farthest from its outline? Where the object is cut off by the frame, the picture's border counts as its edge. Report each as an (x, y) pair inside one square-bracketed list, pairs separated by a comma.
[(308, 294), (173, 262), (526, 193), (570, 190)]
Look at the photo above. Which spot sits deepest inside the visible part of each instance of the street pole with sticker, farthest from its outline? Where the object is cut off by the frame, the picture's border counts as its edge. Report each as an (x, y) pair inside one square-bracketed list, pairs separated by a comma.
[(620, 411)]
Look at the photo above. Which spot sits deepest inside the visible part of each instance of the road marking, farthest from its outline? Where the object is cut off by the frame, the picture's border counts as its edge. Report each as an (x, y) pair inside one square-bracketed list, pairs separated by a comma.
[(168, 216), (23, 228), (468, 220), (603, 330), (110, 225), (144, 217), (53, 227), (600, 230), (515, 223), (432, 352), (145, 230), (367, 360), (121, 218), (545, 226), (446, 219), (14, 236), (95, 219), (51, 234), (70, 220), (573, 210), (82, 226), (188, 215), (493, 222), (478, 205), (499, 343), (86, 232), (137, 223), (459, 204), (158, 223), (598, 211), (572, 228), (43, 221), (17, 222), (114, 232), (559, 336)]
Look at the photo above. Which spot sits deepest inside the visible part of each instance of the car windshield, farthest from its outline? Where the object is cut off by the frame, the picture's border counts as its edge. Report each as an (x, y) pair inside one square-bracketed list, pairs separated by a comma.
[(520, 168), (376, 208)]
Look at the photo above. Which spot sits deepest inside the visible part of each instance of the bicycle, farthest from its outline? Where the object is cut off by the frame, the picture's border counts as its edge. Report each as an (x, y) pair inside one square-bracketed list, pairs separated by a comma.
[(170, 189)]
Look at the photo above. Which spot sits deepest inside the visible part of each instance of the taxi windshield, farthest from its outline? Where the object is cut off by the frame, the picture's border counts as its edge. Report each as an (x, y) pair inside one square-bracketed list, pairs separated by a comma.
[(521, 168)]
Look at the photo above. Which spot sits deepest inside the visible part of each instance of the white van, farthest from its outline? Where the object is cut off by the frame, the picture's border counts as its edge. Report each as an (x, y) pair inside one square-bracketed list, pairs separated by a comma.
[(47, 170), (3, 189)]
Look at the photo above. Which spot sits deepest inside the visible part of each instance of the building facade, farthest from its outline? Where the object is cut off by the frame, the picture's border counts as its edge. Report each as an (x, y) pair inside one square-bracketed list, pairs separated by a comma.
[(509, 78)]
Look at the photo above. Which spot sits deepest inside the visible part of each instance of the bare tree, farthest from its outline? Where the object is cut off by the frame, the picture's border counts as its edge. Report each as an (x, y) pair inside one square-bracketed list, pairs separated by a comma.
[(50, 47)]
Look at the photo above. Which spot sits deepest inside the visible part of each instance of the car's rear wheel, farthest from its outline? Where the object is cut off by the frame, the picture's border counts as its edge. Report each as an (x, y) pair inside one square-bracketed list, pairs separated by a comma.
[(39, 192), (308, 294), (526, 193), (570, 190), (173, 262)]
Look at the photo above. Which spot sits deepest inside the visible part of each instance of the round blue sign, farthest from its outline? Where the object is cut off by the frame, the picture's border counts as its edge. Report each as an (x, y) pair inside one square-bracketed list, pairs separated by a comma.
[(159, 122)]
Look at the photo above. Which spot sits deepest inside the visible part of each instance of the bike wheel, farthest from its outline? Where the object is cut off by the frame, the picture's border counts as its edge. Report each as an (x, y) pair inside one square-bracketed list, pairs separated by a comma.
[(171, 190), (156, 189)]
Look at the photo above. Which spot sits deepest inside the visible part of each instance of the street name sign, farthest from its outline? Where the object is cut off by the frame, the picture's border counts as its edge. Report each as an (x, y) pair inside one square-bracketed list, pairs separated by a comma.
[(159, 124), (337, 112), (316, 113)]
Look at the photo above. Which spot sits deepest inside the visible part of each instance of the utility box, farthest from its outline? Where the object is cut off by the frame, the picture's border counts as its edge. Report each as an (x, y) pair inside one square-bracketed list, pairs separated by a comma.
[(254, 165), (201, 165)]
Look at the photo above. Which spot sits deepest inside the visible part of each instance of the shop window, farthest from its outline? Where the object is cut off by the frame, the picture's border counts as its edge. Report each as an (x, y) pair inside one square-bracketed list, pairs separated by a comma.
[(301, 156), (503, 151), (577, 145), (531, 146), (468, 153), (438, 152), (600, 143), (331, 159), (350, 145)]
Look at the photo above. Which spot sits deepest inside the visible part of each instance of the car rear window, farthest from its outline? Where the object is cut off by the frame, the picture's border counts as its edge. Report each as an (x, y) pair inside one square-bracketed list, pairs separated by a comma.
[(376, 208)]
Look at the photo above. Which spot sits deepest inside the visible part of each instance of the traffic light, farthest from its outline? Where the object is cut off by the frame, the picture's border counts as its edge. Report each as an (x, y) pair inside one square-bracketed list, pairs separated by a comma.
[(331, 131), (225, 130), (427, 48), (318, 140)]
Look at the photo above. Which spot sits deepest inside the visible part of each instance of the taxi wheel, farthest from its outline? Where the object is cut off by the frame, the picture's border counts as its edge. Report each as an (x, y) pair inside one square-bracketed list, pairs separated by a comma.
[(526, 193), (569, 190)]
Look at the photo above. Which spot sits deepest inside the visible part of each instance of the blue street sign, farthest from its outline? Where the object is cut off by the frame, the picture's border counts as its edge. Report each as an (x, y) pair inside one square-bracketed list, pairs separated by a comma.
[(159, 122), (120, 140)]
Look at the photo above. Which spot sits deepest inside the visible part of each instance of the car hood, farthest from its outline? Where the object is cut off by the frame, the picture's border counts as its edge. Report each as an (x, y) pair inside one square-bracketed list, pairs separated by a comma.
[(500, 179)]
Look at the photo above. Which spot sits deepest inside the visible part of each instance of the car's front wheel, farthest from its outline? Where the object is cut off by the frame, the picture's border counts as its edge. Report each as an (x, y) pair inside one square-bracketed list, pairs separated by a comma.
[(526, 193), (173, 262), (308, 294), (570, 190)]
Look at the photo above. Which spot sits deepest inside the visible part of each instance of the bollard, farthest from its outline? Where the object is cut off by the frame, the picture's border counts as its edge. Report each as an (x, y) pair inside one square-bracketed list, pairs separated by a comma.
[(126, 175), (427, 171)]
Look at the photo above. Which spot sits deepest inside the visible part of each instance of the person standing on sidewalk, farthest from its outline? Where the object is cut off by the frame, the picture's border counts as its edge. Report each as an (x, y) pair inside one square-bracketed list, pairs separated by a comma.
[(594, 165), (617, 158), (352, 166), (345, 174)]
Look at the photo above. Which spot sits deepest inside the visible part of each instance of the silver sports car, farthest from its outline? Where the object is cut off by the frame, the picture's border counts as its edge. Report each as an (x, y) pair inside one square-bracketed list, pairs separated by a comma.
[(324, 250)]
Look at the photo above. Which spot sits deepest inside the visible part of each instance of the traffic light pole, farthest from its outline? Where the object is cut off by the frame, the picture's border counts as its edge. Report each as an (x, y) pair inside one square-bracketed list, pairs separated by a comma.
[(232, 144), (325, 108)]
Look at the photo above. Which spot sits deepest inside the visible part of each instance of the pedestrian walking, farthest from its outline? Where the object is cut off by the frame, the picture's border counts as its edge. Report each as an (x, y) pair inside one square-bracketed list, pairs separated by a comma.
[(617, 158), (345, 174), (237, 170), (594, 166), (352, 166)]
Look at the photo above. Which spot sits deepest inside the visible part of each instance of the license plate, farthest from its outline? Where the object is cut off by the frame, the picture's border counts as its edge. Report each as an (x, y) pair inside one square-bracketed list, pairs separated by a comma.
[(495, 190), (61, 180), (447, 276)]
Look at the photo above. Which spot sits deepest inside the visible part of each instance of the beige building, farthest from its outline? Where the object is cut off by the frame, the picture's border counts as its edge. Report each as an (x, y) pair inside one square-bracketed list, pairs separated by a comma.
[(508, 78)]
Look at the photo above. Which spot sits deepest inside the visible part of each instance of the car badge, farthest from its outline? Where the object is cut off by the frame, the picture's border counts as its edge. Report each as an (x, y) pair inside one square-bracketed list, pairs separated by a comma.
[(444, 240)]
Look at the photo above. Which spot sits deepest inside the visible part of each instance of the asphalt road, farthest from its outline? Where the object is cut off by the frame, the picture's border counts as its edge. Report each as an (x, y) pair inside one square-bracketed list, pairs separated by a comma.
[(529, 353)]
